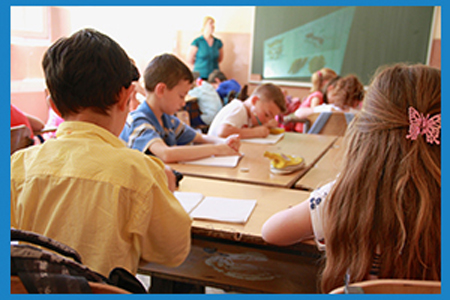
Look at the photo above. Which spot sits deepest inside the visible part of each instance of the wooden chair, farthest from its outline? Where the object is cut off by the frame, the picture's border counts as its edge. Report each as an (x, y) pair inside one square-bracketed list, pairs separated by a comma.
[(20, 138), (328, 123), (391, 286)]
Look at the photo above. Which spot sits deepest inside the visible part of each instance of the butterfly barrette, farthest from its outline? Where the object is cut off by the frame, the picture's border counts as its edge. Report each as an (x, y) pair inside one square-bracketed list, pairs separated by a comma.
[(419, 124)]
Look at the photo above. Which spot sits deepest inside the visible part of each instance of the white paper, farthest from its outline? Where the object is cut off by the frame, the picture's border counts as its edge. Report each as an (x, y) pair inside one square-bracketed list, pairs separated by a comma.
[(224, 209), (270, 139), (216, 161), (188, 200)]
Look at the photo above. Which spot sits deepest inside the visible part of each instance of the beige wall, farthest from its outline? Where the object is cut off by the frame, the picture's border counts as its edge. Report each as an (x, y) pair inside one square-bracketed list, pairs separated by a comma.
[(148, 31)]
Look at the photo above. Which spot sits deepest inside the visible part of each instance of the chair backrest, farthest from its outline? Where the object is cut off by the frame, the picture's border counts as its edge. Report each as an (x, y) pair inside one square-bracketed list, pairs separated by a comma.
[(20, 138), (392, 286), (329, 123)]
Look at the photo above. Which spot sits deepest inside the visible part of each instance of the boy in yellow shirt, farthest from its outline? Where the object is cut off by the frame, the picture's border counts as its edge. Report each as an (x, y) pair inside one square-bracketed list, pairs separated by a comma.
[(85, 188), (153, 129)]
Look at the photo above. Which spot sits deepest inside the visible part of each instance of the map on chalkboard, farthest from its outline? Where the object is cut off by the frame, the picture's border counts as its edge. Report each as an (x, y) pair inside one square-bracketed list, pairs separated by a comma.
[(308, 48)]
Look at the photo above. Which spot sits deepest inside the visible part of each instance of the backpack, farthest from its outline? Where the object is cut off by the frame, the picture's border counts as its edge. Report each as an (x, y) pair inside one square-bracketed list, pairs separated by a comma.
[(60, 270)]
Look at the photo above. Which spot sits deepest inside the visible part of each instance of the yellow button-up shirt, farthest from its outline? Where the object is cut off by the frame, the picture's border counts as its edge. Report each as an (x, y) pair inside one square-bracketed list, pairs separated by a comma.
[(89, 191)]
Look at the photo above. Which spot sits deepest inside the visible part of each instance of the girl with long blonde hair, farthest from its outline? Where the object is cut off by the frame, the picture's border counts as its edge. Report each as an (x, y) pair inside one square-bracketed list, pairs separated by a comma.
[(381, 217)]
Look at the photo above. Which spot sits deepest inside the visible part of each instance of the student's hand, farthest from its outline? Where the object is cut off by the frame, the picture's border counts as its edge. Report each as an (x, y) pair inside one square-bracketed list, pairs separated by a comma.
[(171, 178), (271, 123), (234, 142), (261, 131)]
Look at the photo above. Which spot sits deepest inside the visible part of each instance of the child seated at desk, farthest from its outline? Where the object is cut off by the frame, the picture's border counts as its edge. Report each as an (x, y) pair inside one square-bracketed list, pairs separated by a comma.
[(252, 117), (209, 104), (381, 217), (223, 85), (340, 94), (86, 189), (153, 129)]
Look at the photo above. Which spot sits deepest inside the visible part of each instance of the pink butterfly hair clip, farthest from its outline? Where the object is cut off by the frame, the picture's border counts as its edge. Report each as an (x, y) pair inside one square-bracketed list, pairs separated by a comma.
[(419, 124)]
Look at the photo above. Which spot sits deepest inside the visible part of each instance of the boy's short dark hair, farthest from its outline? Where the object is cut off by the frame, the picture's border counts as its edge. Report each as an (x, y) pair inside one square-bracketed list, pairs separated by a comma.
[(216, 74), (167, 69), (271, 92), (87, 69)]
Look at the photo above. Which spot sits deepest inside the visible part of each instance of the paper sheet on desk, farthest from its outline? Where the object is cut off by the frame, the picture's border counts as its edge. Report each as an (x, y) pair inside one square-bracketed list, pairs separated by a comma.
[(224, 209), (215, 208), (270, 139), (216, 161), (188, 200)]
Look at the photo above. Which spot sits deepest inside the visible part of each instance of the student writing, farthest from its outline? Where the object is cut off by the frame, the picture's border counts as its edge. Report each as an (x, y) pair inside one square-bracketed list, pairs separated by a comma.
[(85, 188), (252, 117), (152, 128)]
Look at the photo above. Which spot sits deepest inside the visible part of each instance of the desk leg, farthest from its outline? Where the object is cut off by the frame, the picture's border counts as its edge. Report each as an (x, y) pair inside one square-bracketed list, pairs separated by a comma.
[(166, 286)]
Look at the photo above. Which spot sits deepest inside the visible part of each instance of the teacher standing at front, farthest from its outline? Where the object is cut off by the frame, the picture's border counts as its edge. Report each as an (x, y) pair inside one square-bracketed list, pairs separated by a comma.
[(206, 51)]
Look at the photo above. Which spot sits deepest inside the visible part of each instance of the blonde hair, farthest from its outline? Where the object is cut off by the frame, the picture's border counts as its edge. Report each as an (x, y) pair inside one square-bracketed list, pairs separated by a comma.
[(271, 92), (206, 20), (320, 77), (388, 194)]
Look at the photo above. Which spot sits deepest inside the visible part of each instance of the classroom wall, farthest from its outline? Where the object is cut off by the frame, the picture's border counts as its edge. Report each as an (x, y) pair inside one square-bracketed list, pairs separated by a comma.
[(148, 31), (143, 32)]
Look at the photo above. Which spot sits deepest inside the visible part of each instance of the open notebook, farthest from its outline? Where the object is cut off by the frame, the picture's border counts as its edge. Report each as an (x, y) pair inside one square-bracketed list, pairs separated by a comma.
[(216, 161), (270, 139), (216, 208)]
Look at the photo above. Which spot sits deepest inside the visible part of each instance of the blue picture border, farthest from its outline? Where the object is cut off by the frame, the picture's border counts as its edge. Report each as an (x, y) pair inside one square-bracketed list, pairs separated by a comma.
[(4, 161)]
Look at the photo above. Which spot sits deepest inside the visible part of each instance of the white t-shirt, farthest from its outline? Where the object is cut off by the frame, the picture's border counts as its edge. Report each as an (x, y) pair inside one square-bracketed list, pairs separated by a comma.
[(234, 113), (208, 100), (332, 107)]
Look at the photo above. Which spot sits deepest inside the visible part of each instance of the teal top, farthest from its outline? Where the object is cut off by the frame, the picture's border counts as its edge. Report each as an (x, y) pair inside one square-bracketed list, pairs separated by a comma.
[(207, 58)]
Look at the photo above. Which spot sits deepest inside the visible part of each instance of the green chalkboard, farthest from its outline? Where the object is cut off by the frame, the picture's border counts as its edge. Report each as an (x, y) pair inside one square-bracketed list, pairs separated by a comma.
[(291, 42)]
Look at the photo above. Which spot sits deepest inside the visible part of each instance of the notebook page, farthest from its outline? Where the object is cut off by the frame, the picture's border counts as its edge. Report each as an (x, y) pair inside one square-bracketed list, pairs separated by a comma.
[(216, 161), (224, 209), (188, 200), (270, 139)]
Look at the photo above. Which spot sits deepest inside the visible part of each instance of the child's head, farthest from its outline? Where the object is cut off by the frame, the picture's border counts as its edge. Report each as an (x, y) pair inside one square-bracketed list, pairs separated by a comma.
[(344, 92), (216, 76), (320, 78), (267, 102), (86, 70), (167, 69), (387, 198), (170, 78)]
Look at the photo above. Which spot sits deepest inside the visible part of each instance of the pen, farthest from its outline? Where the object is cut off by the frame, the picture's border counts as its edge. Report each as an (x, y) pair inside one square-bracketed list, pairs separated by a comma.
[(257, 119)]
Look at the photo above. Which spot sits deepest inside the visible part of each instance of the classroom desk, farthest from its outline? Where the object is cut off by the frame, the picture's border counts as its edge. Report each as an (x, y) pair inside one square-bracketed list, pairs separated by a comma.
[(255, 168), (233, 256), (325, 169)]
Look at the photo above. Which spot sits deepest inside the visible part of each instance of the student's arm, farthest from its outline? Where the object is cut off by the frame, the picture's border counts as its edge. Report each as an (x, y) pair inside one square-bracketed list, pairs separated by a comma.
[(289, 226), (174, 154), (172, 180), (315, 102), (192, 52), (245, 133), (35, 123), (303, 112), (233, 141)]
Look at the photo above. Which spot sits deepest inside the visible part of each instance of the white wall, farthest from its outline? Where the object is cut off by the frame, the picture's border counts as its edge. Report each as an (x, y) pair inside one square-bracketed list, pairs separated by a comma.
[(145, 31)]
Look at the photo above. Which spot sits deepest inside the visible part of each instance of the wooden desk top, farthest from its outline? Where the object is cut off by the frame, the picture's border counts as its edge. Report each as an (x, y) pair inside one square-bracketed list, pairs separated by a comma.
[(325, 170), (269, 201), (255, 168), (233, 256)]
